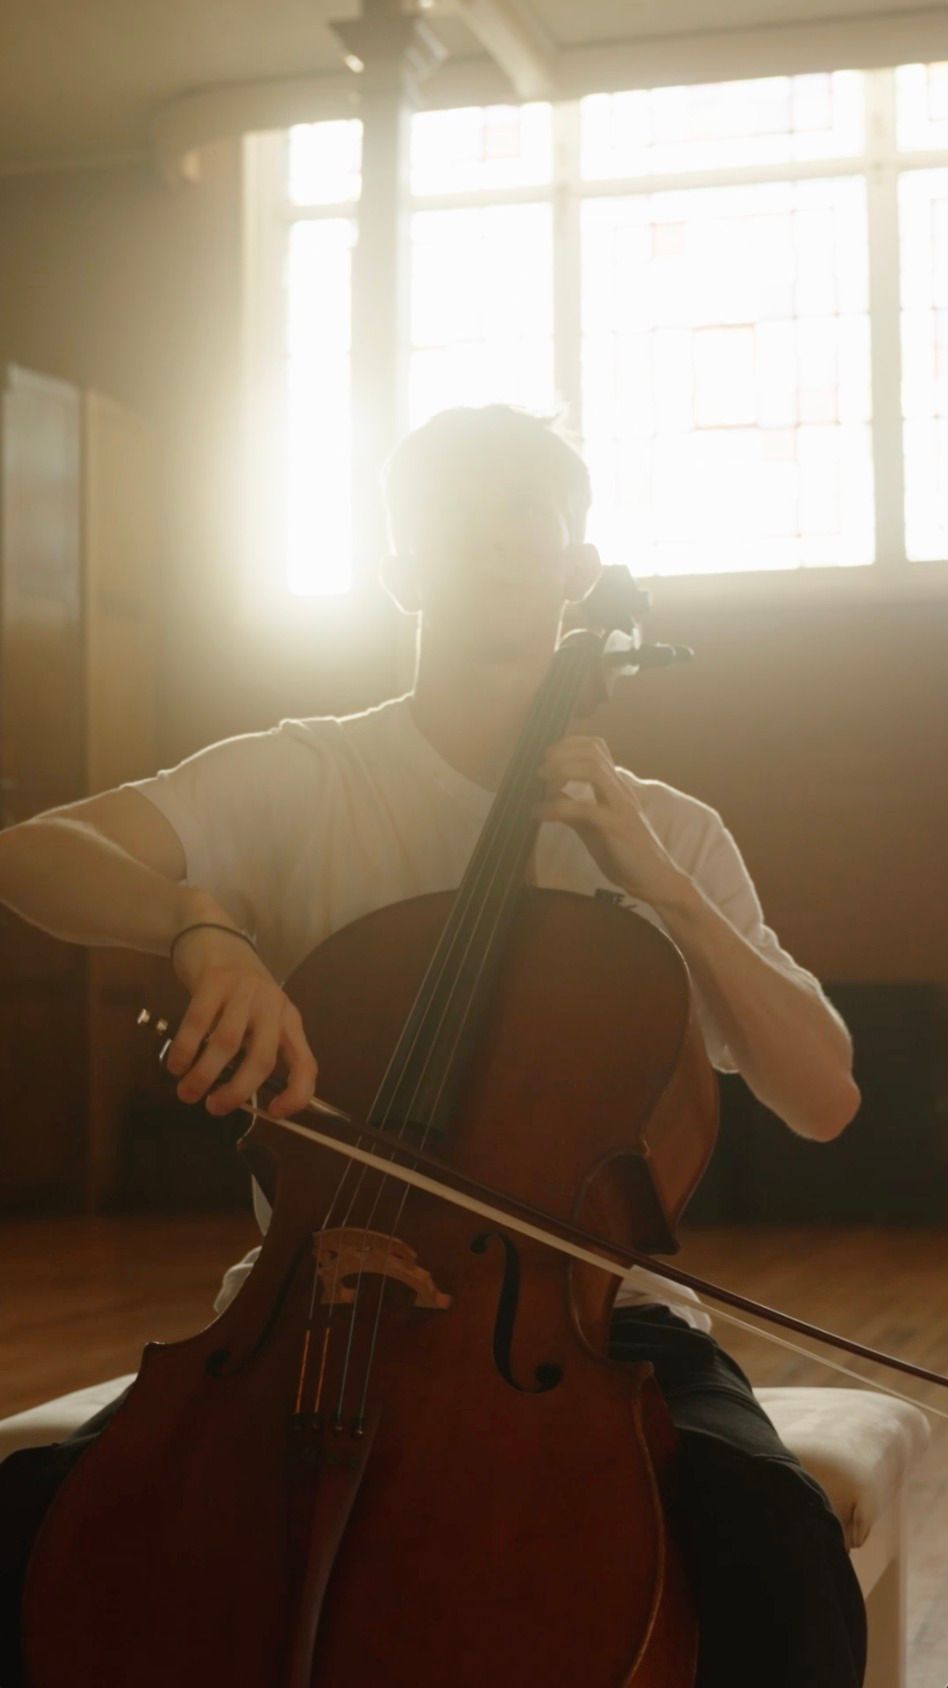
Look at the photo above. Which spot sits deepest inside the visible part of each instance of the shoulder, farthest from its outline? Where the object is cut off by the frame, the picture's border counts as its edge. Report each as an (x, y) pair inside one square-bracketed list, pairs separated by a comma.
[(684, 824), (297, 760), (246, 770), (362, 737), (700, 844), (307, 748)]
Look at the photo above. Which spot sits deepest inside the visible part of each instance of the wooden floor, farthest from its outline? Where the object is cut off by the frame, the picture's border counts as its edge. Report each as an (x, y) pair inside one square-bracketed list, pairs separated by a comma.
[(80, 1297)]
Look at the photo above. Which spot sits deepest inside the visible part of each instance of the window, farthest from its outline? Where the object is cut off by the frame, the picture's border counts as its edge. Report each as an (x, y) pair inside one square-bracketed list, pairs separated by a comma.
[(318, 423), (726, 376), (923, 208), (701, 276)]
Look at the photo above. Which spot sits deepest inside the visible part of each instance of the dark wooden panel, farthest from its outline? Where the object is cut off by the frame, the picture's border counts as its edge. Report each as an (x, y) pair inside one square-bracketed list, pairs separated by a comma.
[(42, 1069), (42, 982), (890, 1166), (41, 724)]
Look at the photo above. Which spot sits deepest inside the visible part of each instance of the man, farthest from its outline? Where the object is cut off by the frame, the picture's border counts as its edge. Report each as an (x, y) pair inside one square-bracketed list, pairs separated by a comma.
[(290, 834)]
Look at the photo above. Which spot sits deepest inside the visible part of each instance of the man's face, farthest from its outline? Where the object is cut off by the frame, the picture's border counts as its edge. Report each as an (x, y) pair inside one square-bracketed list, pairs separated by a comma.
[(493, 561)]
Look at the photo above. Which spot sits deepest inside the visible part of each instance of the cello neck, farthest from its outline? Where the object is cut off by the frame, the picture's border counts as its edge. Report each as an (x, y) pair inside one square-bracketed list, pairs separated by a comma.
[(420, 1085)]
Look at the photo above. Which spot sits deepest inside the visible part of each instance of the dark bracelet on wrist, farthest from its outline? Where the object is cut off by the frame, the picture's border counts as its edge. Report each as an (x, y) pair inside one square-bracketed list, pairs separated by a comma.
[(212, 926)]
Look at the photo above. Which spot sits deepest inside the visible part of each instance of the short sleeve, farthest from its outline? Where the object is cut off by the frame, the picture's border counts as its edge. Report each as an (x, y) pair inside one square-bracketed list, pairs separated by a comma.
[(243, 809), (721, 873)]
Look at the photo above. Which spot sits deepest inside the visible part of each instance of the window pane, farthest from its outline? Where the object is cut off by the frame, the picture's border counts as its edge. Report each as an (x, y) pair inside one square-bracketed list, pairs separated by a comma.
[(319, 434), (481, 308), (780, 119), (481, 147), (921, 95), (325, 163), (726, 377), (923, 215)]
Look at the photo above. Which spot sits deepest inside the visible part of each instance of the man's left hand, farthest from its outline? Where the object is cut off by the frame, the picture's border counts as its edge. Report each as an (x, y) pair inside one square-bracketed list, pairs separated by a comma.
[(610, 821)]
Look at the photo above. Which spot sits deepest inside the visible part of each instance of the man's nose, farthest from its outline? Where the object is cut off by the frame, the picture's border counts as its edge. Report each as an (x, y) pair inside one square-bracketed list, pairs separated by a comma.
[(494, 537)]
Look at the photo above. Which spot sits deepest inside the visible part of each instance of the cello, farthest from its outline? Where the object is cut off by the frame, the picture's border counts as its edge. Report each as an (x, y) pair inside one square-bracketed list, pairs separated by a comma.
[(402, 1455)]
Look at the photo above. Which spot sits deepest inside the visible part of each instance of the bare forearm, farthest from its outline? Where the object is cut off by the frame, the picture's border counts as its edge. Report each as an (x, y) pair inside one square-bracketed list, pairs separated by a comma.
[(790, 1045), (62, 875), (791, 1048)]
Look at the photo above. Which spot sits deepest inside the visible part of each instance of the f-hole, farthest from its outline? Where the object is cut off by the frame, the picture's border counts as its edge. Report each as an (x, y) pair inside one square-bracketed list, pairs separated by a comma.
[(547, 1375)]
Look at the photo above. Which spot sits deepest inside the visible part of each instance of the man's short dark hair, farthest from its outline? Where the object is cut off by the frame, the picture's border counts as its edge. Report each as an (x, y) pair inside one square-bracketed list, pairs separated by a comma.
[(467, 438)]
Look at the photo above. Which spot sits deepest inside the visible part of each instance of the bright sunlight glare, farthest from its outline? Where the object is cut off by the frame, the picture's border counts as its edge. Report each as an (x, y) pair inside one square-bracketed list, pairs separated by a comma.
[(719, 332)]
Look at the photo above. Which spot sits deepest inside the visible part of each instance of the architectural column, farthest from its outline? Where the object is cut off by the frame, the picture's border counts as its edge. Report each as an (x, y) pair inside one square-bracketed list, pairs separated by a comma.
[(389, 52)]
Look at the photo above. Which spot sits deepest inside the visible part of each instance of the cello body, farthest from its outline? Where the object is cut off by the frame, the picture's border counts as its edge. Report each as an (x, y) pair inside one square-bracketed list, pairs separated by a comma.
[(401, 1456)]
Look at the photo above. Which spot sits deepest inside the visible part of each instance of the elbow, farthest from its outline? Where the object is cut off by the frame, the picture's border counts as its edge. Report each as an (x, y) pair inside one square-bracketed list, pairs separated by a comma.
[(841, 1108)]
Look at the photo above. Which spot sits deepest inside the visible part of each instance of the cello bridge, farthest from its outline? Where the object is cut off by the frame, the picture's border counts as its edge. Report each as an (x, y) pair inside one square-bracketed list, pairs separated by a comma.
[(347, 1253)]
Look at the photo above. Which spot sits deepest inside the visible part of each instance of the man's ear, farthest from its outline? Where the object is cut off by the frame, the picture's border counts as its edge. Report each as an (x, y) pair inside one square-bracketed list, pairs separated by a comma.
[(583, 568), (399, 576)]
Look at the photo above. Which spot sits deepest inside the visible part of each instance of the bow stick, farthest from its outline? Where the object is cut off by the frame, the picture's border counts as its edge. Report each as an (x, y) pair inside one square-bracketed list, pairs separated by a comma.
[(440, 1179)]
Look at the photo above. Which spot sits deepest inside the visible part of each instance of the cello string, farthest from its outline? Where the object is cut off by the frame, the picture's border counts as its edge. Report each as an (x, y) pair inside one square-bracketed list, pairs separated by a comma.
[(329, 1300), (511, 798), (254, 1109), (307, 1341), (538, 731), (492, 866), (431, 981), (509, 847), (510, 795), (528, 757), (589, 1256)]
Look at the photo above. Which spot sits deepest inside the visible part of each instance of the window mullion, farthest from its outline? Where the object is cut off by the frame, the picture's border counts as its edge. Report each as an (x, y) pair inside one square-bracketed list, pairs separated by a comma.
[(567, 278), (885, 321), (723, 176), (265, 241)]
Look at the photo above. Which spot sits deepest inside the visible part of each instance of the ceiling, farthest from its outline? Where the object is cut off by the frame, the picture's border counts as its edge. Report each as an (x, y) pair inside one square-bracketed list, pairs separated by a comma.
[(83, 80), (572, 21)]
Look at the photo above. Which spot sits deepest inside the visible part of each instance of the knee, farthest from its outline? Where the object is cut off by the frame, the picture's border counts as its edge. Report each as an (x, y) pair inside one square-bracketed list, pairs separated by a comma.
[(795, 1504), (739, 1507), (761, 1532)]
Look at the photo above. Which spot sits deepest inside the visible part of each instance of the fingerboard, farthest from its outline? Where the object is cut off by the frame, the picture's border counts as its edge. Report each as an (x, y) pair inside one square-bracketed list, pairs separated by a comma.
[(418, 1094)]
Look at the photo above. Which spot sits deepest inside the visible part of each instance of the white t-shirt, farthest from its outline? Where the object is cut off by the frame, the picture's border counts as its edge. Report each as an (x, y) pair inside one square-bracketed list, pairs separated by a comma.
[(302, 829)]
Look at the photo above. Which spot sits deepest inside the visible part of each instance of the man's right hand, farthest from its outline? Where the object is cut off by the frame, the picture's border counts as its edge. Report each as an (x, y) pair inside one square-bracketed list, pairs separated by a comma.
[(236, 1004), (112, 870)]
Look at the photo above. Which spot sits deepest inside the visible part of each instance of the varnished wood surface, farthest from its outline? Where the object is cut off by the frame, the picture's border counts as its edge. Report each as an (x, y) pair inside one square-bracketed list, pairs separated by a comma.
[(82, 1296)]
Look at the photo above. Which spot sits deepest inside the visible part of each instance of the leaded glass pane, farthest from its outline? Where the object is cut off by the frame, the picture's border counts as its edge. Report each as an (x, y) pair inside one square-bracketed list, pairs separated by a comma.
[(774, 120), (325, 163), (482, 308), (726, 376), (481, 148), (921, 96), (319, 428), (923, 218)]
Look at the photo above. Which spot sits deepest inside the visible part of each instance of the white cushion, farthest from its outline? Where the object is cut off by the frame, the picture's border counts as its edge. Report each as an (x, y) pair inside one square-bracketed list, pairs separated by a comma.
[(55, 1420), (859, 1446)]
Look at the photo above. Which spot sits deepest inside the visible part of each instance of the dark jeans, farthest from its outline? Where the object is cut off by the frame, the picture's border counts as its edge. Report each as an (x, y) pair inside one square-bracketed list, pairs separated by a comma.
[(778, 1602), (779, 1605)]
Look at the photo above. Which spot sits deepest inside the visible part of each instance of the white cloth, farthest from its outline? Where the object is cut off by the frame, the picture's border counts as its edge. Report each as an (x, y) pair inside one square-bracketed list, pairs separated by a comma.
[(302, 829)]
